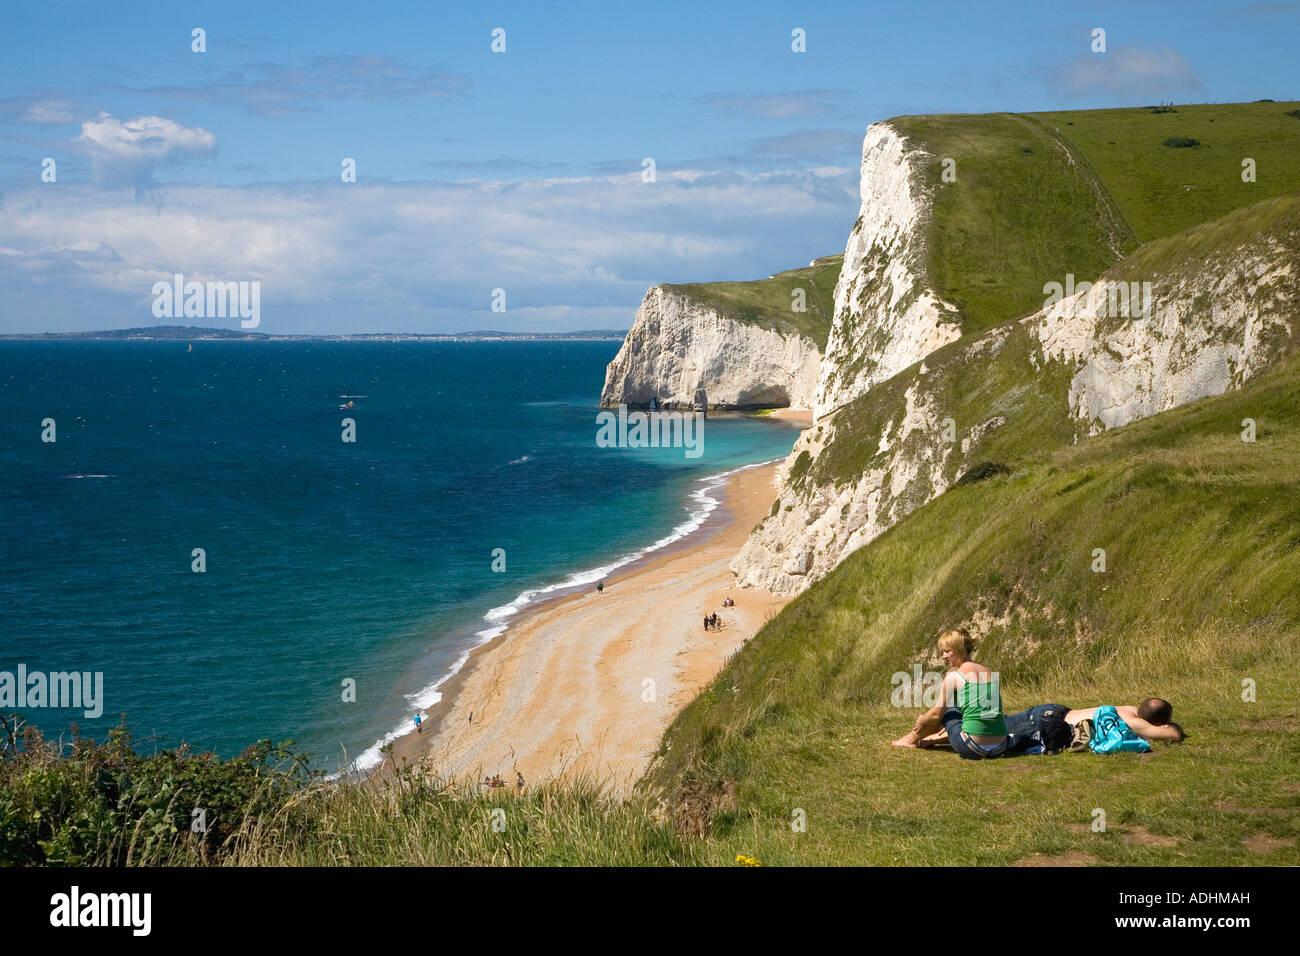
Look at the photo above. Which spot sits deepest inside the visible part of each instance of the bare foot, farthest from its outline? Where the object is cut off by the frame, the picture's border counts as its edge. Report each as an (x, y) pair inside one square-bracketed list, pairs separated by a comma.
[(907, 740)]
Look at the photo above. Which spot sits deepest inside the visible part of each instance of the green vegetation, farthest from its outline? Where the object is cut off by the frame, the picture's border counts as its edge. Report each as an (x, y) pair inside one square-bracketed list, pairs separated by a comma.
[(1202, 539), (1037, 196), (1267, 225), (1023, 210), (768, 303), (103, 804), (1162, 191), (970, 385), (106, 805)]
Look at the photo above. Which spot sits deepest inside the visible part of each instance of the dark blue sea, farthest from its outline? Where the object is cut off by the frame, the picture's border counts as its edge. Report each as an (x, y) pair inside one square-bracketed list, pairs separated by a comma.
[(326, 561)]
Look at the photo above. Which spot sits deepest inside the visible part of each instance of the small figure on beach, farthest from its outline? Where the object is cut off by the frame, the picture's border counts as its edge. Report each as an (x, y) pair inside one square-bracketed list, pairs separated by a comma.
[(418, 728), (728, 603), (519, 781), (706, 622), (471, 716), (600, 587), (486, 782)]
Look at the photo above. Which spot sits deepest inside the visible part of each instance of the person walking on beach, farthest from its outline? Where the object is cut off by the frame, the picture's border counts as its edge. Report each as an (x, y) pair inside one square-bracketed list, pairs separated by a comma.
[(600, 587), (519, 781), (471, 716), (418, 728), (706, 623)]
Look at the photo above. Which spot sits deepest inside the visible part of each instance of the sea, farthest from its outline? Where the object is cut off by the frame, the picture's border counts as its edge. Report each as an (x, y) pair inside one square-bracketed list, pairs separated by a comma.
[(199, 532)]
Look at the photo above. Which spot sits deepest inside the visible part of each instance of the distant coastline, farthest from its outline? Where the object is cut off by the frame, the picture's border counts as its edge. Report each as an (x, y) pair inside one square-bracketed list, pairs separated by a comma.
[(188, 333)]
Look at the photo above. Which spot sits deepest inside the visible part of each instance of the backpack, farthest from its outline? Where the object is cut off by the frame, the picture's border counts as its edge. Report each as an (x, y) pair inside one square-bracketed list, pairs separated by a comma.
[(1056, 735), (1043, 732)]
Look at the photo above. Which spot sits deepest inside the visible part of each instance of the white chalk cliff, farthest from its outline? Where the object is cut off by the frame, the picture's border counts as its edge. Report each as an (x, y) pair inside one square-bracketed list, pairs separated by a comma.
[(678, 345), (1208, 330), (886, 315)]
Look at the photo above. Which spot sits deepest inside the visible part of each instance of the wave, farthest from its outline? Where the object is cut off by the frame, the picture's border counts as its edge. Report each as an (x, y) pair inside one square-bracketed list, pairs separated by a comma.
[(90, 476), (701, 504)]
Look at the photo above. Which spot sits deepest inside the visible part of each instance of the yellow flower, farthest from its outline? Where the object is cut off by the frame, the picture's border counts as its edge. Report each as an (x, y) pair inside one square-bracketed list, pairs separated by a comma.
[(747, 861)]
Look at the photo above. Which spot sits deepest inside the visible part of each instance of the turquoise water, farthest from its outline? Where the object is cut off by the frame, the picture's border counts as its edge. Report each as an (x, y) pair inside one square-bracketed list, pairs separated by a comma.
[(326, 561)]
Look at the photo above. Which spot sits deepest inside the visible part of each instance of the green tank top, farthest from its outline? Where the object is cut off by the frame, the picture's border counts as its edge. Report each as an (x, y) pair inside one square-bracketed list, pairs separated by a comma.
[(980, 701)]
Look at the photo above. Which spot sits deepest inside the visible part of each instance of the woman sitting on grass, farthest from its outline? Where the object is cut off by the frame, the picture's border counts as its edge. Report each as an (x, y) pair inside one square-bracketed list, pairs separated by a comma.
[(969, 707)]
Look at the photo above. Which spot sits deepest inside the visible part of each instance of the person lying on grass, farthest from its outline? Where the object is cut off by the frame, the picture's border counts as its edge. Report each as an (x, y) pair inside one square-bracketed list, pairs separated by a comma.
[(969, 710), (1148, 721), (1124, 728)]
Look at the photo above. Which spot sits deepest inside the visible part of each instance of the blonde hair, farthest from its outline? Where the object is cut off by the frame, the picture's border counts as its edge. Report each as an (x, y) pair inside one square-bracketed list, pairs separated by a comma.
[(958, 639)]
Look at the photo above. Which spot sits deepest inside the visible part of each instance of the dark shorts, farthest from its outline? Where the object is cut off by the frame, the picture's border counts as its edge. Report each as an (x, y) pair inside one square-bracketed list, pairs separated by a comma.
[(967, 749), (1022, 727)]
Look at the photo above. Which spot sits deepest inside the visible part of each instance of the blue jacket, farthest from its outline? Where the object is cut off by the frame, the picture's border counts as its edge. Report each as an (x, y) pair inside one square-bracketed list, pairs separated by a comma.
[(1111, 735)]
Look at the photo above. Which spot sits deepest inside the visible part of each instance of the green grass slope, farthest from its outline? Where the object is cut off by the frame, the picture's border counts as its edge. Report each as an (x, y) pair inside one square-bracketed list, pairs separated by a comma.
[(1023, 210), (1202, 537), (768, 303), (1162, 190)]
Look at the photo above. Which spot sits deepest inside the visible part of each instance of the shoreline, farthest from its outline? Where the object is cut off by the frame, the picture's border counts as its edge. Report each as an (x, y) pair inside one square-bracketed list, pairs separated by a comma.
[(563, 690)]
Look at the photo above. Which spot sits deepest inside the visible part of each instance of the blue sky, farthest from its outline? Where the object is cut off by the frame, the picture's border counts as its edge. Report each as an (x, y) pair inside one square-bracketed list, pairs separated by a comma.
[(518, 170)]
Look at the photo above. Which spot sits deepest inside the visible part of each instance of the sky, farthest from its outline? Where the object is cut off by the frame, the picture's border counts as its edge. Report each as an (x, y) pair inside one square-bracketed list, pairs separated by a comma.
[(521, 169)]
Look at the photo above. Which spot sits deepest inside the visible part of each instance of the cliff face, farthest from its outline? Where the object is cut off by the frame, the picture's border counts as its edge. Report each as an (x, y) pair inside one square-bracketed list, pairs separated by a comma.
[(1213, 320), (886, 315), (678, 345), (1208, 330)]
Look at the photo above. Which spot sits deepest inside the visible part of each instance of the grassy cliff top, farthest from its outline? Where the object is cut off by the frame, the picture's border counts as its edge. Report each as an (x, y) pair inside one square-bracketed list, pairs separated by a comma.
[(1202, 538), (1039, 196), (1163, 189), (1022, 209), (768, 303)]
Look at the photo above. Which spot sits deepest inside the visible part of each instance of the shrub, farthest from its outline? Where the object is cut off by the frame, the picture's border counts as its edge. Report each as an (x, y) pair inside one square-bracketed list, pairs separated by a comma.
[(985, 469), (800, 467), (103, 804)]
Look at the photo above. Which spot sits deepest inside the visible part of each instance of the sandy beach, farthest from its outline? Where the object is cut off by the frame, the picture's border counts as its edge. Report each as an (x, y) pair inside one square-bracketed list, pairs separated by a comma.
[(590, 682)]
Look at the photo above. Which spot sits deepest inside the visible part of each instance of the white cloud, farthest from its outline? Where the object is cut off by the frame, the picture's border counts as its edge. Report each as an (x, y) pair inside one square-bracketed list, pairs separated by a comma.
[(572, 252), (125, 153)]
